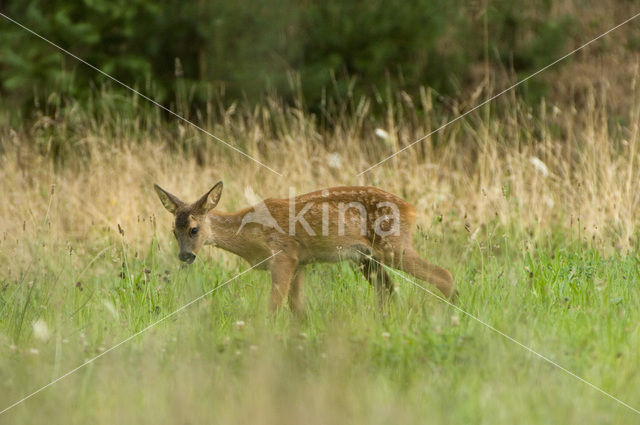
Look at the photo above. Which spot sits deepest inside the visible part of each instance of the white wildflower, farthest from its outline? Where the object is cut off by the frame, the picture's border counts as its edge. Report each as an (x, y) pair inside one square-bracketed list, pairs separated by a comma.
[(334, 160), (111, 308), (41, 330), (549, 201), (540, 166), (382, 134)]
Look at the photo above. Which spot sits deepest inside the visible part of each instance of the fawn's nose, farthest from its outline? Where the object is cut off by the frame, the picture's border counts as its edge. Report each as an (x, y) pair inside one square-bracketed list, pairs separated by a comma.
[(187, 257)]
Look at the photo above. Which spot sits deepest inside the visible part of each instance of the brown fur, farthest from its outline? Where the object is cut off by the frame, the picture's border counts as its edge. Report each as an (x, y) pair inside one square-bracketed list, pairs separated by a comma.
[(255, 241)]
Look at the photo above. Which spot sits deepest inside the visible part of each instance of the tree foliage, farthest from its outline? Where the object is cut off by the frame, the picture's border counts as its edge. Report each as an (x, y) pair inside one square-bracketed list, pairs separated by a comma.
[(252, 47)]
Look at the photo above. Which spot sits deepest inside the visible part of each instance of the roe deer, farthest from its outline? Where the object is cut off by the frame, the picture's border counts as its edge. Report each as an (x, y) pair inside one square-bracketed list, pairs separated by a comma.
[(340, 223)]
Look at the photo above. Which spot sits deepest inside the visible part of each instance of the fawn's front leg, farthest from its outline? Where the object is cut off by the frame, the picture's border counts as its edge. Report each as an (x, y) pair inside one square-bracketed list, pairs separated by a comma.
[(283, 268)]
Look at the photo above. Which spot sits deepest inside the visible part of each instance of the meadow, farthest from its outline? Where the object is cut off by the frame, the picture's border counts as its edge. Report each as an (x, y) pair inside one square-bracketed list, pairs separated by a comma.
[(533, 209)]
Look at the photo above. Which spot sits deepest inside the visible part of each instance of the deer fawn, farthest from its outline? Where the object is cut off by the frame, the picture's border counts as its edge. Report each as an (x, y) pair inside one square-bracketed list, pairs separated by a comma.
[(340, 223)]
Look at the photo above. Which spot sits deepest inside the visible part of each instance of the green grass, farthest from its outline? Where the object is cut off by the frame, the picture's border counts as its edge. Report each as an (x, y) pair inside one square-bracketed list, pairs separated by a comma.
[(224, 359)]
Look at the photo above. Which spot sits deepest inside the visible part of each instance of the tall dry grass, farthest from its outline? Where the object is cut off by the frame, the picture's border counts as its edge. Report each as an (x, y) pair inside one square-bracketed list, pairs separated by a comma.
[(79, 172)]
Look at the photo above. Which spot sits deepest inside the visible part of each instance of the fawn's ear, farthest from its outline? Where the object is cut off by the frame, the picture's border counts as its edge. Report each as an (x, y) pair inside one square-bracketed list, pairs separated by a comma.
[(209, 200), (170, 202)]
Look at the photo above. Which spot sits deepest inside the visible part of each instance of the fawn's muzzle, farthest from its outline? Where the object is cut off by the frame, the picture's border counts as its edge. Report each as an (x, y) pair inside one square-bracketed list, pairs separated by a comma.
[(187, 257)]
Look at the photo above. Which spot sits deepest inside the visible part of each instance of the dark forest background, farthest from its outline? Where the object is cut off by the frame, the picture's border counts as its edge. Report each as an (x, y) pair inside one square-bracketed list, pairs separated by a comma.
[(309, 51)]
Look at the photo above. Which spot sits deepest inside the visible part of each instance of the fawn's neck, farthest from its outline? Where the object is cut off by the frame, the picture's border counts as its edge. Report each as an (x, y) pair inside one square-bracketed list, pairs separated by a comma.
[(225, 233)]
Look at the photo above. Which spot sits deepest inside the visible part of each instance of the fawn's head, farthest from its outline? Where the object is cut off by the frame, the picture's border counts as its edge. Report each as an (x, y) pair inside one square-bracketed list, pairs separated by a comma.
[(190, 227)]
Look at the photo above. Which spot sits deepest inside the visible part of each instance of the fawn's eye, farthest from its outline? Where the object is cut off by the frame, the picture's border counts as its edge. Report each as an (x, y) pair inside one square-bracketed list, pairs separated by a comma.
[(193, 231)]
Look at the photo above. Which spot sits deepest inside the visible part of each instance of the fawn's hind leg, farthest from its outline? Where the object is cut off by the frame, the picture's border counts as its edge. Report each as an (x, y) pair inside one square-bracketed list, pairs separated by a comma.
[(296, 293), (409, 261)]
